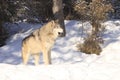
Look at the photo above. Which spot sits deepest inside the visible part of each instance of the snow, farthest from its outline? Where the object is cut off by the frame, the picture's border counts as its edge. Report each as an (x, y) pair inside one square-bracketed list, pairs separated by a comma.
[(67, 62)]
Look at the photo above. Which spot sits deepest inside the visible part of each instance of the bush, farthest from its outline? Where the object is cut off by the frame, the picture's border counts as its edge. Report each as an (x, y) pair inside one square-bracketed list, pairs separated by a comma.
[(90, 46), (95, 12), (92, 42)]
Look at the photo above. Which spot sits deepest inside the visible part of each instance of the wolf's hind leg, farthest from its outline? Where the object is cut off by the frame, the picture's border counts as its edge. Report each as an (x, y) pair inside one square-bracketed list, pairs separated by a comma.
[(25, 58), (36, 57)]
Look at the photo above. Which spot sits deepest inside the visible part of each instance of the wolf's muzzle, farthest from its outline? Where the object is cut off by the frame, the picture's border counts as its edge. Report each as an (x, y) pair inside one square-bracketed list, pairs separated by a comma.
[(60, 34)]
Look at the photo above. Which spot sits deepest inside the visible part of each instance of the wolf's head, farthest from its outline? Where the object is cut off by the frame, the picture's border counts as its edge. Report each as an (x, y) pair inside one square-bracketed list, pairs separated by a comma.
[(57, 30)]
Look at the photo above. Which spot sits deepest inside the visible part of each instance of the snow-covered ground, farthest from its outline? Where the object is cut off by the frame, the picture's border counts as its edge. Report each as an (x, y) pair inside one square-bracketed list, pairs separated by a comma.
[(67, 62)]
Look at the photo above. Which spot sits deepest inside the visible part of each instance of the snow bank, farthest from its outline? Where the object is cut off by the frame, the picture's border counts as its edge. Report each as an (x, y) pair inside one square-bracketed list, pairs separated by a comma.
[(67, 62)]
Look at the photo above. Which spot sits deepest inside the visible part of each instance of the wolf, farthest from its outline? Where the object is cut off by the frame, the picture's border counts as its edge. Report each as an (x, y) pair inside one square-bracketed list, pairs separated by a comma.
[(41, 40)]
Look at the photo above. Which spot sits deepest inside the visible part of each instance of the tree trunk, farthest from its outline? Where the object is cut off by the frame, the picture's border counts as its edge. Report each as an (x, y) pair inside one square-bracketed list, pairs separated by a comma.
[(58, 13), (2, 35)]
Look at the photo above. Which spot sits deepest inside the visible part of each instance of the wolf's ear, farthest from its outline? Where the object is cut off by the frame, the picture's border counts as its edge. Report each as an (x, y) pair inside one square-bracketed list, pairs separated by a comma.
[(56, 21), (52, 23)]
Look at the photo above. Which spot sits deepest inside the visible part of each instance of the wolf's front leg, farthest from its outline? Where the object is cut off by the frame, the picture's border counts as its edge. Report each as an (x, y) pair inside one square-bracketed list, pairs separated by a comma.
[(49, 56), (46, 57), (25, 57)]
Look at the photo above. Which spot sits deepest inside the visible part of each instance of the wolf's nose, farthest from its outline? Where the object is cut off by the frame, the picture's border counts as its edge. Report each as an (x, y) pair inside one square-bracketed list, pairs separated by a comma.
[(60, 34)]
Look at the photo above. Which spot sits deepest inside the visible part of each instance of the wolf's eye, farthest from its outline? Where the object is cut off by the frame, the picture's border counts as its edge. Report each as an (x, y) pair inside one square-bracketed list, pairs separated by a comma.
[(59, 33)]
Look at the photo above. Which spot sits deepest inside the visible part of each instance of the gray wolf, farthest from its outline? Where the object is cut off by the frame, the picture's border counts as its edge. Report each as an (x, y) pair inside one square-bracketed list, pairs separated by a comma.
[(41, 40)]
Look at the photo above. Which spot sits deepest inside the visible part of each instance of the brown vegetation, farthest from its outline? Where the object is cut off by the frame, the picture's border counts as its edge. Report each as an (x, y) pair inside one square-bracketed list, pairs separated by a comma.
[(96, 11)]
